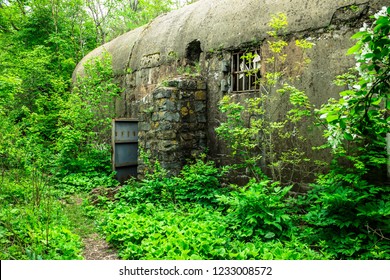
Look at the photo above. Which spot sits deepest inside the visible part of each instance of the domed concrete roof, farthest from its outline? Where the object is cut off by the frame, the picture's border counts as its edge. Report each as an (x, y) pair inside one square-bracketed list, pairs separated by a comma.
[(216, 24)]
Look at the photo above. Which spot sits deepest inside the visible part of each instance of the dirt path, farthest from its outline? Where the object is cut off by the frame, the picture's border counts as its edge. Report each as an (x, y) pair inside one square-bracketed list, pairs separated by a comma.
[(95, 247)]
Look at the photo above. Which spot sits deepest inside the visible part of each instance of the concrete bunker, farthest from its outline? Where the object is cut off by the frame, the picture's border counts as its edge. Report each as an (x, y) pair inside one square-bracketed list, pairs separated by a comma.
[(177, 111)]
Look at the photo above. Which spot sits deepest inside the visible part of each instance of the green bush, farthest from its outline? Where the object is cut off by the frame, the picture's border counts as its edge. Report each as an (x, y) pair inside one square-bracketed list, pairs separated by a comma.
[(258, 209), (162, 217), (348, 217), (348, 210), (198, 182), (28, 234), (82, 144), (273, 250)]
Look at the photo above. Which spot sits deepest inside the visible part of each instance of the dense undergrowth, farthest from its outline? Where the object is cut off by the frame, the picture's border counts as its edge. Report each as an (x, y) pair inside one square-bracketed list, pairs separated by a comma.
[(345, 215), (161, 218), (32, 222), (47, 155)]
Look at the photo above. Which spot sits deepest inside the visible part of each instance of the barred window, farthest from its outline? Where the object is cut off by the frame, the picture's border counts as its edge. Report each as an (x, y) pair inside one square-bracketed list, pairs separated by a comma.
[(245, 71)]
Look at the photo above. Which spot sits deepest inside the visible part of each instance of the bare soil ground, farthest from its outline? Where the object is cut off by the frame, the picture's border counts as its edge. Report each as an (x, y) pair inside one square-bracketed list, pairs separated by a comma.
[(96, 248)]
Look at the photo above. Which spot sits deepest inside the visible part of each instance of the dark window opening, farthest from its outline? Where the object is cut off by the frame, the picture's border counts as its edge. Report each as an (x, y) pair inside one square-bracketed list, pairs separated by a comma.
[(193, 52), (246, 71)]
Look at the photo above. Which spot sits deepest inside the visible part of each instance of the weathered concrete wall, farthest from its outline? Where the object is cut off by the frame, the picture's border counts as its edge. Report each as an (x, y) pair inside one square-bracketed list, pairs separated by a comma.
[(206, 32)]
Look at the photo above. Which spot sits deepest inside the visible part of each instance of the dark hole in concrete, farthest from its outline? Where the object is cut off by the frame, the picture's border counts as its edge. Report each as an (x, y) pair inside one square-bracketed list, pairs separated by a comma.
[(193, 52)]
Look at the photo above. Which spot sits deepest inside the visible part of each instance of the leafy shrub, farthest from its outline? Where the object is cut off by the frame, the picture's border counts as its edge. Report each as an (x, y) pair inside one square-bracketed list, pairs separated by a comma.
[(149, 190), (197, 182), (273, 250), (348, 209), (349, 218), (82, 145), (260, 142), (258, 209), (78, 182), (25, 234)]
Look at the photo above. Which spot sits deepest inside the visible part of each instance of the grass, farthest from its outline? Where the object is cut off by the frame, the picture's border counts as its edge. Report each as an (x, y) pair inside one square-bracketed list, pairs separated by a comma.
[(81, 224)]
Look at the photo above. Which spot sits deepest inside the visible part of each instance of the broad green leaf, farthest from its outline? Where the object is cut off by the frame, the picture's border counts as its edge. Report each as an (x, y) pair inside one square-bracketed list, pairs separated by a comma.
[(348, 136), (376, 101), (342, 123), (354, 49), (331, 118), (359, 35)]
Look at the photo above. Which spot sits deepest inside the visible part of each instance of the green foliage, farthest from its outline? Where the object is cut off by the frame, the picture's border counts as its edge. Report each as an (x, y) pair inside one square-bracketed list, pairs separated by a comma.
[(39, 50), (53, 141), (150, 233), (262, 142), (243, 140), (341, 202), (358, 121), (354, 209), (191, 232), (198, 182), (84, 129), (164, 217), (156, 185), (258, 210), (92, 102), (40, 135), (278, 23), (113, 18), (32, 224), (352, 200), (190, 70)]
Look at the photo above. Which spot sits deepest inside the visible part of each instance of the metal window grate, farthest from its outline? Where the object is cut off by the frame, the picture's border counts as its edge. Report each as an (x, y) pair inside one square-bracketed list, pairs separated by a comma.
[(245, 72)]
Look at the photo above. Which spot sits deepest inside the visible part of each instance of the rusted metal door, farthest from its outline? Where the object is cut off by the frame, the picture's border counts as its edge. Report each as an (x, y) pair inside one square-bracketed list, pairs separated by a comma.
[(125, 148)]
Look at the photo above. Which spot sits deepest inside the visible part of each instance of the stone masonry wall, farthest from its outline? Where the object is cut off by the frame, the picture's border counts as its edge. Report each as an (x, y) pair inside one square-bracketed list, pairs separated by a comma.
[(173, 122)]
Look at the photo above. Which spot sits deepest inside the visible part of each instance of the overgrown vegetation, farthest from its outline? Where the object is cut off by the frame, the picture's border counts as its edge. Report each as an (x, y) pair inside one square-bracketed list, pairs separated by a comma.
[(54, 139), (54, 144), (349, 200), (258, 140), (32, 222), (191, 216), (353, 198)]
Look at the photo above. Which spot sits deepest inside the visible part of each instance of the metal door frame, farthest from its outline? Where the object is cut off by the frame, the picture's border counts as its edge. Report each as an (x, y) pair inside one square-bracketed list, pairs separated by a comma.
[(125, 169)]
